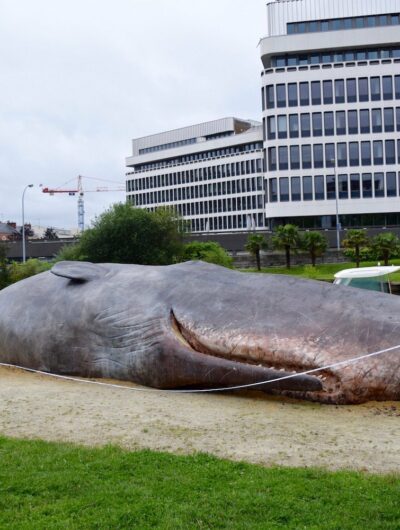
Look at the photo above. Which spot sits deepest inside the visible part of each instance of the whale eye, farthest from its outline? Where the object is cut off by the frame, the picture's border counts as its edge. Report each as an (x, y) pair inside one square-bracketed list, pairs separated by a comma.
[(78, 271)]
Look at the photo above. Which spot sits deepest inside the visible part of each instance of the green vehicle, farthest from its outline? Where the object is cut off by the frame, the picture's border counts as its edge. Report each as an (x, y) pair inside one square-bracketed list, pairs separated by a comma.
[(371, 278)]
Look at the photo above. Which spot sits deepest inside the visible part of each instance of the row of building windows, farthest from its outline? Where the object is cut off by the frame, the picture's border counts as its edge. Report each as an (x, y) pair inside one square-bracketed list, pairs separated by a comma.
[(171, 145), (328, 57), (328, 222), (198, 157), (328, 92), (227, 204), (363, 121), (342, 154), (322, 187), (227, 222), (213, 189), (246, 167), (335, 24)]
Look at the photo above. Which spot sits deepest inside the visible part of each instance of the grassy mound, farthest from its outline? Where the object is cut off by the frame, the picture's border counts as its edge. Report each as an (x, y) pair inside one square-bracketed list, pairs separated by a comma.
[(57, 486)]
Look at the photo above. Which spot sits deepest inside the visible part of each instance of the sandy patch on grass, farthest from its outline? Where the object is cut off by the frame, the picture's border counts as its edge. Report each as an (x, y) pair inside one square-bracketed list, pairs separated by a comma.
[(250, 427)]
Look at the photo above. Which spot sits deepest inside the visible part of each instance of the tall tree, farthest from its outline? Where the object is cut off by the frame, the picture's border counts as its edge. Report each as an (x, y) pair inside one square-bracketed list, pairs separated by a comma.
[(286, 238), (255, 244), (124, 234), (386, 246), (315, 244), (356, 240)]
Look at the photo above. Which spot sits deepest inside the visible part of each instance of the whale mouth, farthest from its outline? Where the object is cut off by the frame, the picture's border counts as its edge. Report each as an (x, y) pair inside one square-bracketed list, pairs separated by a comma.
[(327, 385)]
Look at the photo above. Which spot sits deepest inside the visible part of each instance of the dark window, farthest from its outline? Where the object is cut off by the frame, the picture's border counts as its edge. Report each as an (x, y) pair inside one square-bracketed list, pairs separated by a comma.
[(263, 97), (273, 190), (328, 92), (390, 152), (329, 124), (379, 185), (343, 183), (351, 90), (271, 128), (376, 116), (378, 152), (284, 189), (304, 94), (354, 154), (375, 89), (318, 155), (364, 121), (341, 154), (352, 119), (307, 189), (330, 187), (363, 89), (398, 119), (397, 86), (317, 123), (270, 97), (283, 158), (305, 125), (340, 122), (294, 157), (391, 185), (294, 126), (330, 158), (366, 153), (388, 115), (367, 185), (292, 94), (339, 91), (280, 96), (355, 186), (316, 92), (319, 188), (272, 159), (387, 87), (306, 156), (296, 188), (282, 126)]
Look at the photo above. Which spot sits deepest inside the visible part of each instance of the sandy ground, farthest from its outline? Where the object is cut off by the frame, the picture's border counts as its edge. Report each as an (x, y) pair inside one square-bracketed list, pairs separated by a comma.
[(250, 427)]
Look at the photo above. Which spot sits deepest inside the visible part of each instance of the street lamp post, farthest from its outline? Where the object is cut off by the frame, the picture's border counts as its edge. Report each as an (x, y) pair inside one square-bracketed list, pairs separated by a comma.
[(337, 204), (23, 223)]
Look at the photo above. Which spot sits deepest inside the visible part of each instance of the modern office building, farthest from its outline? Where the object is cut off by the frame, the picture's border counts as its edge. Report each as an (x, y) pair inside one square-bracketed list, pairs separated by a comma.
[(211, 173), (331, 112)]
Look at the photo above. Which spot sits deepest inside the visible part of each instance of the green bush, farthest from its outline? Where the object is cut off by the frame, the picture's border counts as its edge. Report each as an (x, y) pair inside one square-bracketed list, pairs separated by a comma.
[(20, 271), (208, 251), (366, 254)]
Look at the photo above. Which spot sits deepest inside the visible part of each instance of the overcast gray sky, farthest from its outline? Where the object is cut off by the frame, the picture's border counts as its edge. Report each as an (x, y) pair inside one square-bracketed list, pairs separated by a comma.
[(81, 78)]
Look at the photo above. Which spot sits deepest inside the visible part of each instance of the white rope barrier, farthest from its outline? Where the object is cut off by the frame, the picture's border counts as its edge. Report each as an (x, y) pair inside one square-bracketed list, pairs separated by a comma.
[(207, 390)]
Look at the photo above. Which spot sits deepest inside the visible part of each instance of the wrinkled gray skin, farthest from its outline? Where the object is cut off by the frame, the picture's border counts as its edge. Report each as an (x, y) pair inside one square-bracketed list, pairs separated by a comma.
[(199, 325)]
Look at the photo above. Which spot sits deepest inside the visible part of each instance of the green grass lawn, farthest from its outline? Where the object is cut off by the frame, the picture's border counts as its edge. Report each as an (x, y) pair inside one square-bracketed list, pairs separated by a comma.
[(324, 271), (57, 486)]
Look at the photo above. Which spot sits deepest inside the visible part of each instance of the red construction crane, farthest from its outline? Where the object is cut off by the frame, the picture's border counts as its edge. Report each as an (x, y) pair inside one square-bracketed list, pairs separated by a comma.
[(79, 190)]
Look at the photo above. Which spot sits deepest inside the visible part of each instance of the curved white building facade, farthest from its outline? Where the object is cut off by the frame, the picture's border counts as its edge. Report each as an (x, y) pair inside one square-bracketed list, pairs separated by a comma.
[(331, 112)]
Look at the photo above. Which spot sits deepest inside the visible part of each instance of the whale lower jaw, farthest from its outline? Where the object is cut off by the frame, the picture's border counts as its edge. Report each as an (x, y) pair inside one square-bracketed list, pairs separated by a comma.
[(329, 387)]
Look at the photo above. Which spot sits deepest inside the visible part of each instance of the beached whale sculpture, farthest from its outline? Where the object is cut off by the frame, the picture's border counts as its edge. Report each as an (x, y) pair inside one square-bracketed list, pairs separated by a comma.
[(196, 325)]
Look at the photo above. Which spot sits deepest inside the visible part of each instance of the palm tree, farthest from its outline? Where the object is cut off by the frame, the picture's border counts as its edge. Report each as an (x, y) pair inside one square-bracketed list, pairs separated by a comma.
[(356, 239), (386, 246), (286, 238), (256, 243), (315, 243)]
